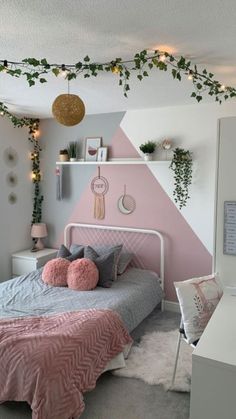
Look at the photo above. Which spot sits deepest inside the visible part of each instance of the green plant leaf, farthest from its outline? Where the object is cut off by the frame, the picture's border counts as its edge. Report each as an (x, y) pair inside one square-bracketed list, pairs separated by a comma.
[(56, 71), (31, 82)]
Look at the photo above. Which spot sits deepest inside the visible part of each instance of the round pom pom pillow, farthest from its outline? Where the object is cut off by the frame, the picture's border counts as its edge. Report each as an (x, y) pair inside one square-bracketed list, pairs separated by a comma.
[(82, 275), (55, 272)]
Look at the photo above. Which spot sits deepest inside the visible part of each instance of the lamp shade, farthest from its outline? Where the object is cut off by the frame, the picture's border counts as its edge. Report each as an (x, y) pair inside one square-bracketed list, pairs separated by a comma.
[(68, 109), (39, 230)]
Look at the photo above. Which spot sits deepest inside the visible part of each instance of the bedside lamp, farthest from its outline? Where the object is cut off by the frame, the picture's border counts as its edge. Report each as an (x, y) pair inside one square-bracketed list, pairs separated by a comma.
[(38, 231)]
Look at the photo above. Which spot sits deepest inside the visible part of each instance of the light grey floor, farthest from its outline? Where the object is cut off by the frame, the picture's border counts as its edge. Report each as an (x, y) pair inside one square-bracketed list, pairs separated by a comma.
[(125, 398)]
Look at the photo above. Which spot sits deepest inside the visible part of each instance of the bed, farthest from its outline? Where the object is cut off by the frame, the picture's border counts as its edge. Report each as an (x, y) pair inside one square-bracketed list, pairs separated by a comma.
[(43, 323)]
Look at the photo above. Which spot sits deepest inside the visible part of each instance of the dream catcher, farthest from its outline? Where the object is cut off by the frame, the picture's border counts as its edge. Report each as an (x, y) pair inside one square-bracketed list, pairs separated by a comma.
[(99, 187), (126, 203)]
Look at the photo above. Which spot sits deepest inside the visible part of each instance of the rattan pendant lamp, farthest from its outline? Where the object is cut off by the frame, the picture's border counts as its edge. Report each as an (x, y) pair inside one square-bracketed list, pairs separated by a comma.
[(68, 109)]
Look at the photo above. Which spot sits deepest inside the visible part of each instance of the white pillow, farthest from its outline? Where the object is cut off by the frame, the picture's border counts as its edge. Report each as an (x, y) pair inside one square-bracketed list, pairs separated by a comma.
[(198, 298)]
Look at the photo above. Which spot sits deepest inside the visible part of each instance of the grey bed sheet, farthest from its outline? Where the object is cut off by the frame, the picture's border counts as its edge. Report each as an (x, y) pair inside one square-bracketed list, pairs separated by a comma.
[(134, 295)]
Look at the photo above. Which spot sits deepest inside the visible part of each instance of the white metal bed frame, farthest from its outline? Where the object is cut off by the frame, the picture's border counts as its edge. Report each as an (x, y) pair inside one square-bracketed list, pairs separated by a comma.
[(156, 233)]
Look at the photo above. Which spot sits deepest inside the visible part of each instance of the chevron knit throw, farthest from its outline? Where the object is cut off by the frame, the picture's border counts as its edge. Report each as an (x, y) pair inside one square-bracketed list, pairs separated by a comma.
[(51, 361)]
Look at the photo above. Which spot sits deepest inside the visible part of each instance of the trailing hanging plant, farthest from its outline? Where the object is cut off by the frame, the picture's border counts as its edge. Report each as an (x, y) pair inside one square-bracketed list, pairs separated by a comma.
[(181, 165), (141, 64), (33, 126)]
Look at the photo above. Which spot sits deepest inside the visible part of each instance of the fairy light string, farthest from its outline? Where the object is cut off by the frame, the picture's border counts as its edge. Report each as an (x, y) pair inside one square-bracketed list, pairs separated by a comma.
[(35, 70), (33, 136)]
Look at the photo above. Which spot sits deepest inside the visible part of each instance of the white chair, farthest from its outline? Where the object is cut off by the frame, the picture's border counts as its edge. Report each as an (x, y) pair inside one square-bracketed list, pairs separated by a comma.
[(181, 337), (198, 298)]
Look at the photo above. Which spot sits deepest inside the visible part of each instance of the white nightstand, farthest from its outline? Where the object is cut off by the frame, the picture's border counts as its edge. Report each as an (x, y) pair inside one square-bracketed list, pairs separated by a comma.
[(26, 261)]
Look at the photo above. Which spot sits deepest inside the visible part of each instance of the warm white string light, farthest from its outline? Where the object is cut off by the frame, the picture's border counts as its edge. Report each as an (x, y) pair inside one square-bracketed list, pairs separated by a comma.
[(162, 58), (63, 72)]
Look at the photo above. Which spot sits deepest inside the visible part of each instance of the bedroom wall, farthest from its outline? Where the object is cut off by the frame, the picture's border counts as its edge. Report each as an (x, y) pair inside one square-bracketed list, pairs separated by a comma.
[(188, 233), (15, 218), (225, 264)]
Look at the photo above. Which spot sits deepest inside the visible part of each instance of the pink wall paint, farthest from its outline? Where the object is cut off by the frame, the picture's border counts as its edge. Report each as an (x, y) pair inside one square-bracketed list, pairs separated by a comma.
[(185, 255), (121, 146)]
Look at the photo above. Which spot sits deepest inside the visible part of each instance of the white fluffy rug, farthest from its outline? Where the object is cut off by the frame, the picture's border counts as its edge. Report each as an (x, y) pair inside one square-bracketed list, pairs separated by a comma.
[(153, 361)]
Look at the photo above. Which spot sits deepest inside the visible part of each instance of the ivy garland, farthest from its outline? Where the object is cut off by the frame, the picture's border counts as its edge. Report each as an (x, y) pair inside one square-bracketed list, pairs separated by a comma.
[(36, 174), (34, 70), (181, 165), (33, 126), (143, 62)]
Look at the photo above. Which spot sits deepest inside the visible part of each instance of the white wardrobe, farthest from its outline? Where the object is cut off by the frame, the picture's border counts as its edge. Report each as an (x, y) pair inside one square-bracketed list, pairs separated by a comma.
[(213, 394), (225, 264)]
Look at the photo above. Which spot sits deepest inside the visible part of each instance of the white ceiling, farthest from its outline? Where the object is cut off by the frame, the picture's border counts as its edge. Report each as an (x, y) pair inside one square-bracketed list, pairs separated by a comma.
[(66, 31)]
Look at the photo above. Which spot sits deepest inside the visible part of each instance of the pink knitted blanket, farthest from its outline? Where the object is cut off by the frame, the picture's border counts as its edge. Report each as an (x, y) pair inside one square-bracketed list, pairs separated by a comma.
[(51, 361)]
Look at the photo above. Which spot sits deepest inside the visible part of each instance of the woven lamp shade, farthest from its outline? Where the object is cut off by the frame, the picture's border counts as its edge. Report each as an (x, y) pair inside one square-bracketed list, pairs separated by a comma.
[(68, 109)]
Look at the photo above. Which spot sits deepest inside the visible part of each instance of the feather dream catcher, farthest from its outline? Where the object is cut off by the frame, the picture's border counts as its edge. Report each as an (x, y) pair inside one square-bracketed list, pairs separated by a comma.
[(99, 187)]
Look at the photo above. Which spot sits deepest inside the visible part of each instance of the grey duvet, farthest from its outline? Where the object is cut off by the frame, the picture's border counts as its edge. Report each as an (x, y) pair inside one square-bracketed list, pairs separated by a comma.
[(134, 295)]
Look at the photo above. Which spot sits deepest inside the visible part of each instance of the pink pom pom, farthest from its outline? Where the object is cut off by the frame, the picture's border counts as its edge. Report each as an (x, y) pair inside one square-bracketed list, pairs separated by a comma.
[(55, 272), (82, 275)]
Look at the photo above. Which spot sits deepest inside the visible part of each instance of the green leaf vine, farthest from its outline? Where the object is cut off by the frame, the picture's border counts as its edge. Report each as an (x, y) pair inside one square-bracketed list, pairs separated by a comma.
[(36, 174), (33, 127), (35, 70), (181, 165)]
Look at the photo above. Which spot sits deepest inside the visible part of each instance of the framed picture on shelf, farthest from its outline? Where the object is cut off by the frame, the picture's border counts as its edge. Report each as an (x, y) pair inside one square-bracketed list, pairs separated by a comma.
[(92, 145), (102, 154)]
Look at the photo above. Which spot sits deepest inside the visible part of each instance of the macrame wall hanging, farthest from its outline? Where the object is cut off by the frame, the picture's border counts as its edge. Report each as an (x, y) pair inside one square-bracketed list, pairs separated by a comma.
[(99, 187)]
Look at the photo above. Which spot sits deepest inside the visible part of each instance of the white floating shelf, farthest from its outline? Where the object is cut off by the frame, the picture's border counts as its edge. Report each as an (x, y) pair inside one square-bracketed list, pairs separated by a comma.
[(113, 162)]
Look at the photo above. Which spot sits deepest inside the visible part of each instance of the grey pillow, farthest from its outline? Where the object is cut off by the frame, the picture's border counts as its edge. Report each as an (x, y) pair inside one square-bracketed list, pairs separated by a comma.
[(65, 253), (105, 249), (123, 263), (105, 265), (75, 247)]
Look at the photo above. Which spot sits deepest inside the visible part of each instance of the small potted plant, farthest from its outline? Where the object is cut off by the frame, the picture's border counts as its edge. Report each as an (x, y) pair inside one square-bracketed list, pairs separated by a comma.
[(148, 148), (72, 151), (63, 155)]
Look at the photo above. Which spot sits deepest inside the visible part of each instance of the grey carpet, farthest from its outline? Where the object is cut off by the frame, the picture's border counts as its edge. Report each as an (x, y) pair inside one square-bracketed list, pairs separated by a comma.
[(125, 398)]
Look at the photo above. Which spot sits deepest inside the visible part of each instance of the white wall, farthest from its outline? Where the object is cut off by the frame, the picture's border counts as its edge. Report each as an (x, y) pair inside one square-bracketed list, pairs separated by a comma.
[(226, 191), (195, 128), (15, 219)]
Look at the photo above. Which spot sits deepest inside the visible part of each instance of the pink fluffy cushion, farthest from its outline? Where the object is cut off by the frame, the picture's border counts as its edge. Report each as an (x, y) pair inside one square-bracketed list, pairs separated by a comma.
[(55, 272), (82, 275)]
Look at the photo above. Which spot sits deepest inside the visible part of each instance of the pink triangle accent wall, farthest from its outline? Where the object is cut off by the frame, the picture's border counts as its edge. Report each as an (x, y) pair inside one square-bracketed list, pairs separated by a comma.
[(185, 254)]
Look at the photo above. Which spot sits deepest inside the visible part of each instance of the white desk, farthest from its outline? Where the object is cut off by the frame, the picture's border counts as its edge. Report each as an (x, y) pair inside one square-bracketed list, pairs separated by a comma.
[(213, 392)]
